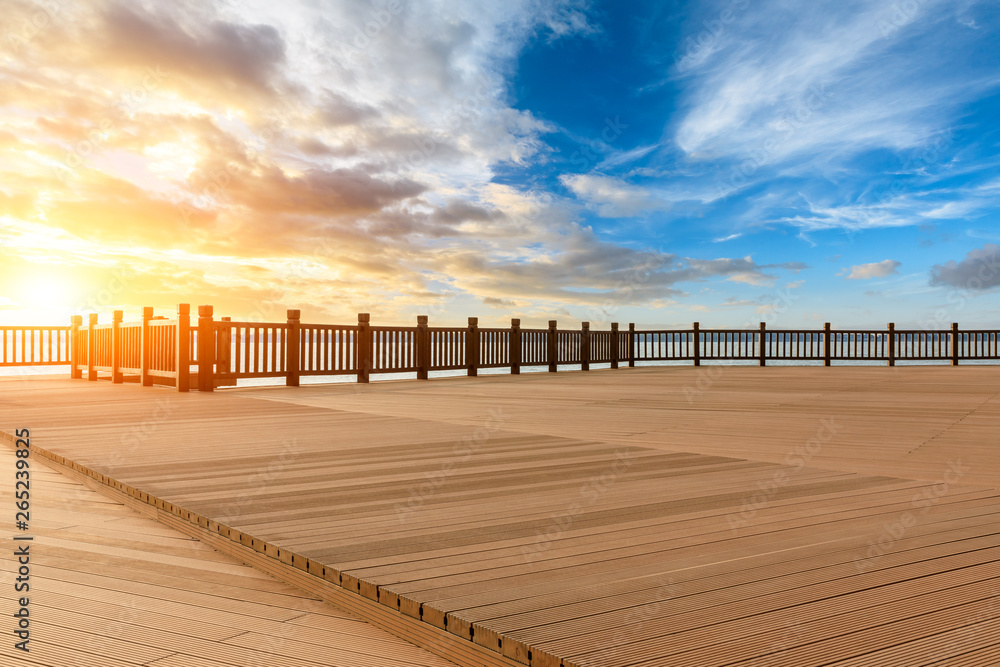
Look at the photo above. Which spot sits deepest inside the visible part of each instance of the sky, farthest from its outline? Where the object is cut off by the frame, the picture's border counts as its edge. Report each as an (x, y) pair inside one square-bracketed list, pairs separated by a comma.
[(729, 162)]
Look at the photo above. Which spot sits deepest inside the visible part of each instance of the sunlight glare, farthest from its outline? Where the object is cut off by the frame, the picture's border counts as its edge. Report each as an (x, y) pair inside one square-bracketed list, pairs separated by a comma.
[(42, 291)]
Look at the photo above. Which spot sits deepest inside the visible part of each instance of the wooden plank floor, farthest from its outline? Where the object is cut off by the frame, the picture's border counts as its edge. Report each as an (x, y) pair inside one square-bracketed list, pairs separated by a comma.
[(111, 588), (650, 516)]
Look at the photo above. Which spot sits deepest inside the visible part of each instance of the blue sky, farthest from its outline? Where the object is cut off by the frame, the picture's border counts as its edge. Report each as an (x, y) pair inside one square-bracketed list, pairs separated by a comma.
[(657, 162), (855, 140)]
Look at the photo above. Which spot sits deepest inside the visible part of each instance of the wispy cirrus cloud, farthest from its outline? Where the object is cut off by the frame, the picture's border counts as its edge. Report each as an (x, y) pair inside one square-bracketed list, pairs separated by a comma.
[(839, 77), (612, 197)]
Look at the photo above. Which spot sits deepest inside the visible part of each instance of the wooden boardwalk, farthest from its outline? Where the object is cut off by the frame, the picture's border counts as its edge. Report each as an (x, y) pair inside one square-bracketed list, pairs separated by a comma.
[(654, 516), (112, 588)]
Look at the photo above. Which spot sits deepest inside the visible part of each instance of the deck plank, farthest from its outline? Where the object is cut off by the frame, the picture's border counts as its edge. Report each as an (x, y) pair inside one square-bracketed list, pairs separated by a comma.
[(642, 516), (153, 596)]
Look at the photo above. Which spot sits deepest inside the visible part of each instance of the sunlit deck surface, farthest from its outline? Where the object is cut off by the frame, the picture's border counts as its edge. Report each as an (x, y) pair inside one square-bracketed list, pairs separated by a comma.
[(650, 516), (112, 588)]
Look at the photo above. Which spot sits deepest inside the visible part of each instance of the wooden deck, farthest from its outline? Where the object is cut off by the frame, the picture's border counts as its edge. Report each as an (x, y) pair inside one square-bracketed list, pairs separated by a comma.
[(651, 516), (112, 588)]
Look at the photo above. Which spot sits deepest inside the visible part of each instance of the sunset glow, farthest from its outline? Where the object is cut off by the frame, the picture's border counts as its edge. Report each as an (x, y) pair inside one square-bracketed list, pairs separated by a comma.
[(723, 161)]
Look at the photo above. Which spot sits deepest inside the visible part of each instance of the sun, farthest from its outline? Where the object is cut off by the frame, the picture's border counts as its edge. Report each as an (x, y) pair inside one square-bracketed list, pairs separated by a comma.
[(41, 291)]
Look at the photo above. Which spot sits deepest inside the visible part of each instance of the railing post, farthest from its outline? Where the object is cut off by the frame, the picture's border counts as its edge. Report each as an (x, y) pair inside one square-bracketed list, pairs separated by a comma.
[(116, 347), (631, 344), (515, 346), (697, 345), (614, 345), (293, 348), (224, 347), (91, 346), (763, 345), (553, 348), (206, 349), (145, 343), (892, 344), (954, 343), (472, 347), (363, 347), (585, 346), (183, 343), (826, 344), (423, 350), (76, 321)]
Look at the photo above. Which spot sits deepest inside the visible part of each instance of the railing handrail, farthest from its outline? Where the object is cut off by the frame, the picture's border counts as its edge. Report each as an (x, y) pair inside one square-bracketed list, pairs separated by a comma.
[(163, 350)]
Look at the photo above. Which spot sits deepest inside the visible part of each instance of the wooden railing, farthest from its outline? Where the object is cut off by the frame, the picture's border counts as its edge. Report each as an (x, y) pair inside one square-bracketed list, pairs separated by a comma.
[(213, 353), (34, 346)]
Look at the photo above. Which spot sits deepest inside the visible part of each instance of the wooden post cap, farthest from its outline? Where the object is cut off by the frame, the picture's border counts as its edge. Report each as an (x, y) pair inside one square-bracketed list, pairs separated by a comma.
[(205, 311), (294, 314), (364, 317), (147, 312), (515, 321), (76, 319), (473, 321), (552, 324), (183, 308), (584, 325), (92, 318), (117, 316), (614, 326), (421, 320)]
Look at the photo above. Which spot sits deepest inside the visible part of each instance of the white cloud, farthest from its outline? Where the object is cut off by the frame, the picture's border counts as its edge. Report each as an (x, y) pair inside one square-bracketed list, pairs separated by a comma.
[(612, 197), (838, 77), (954, 209), (881, 269)]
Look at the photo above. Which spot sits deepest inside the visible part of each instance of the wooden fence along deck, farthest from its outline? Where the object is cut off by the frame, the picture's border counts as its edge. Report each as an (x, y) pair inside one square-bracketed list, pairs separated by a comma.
[(215, 353), (34, 346)]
